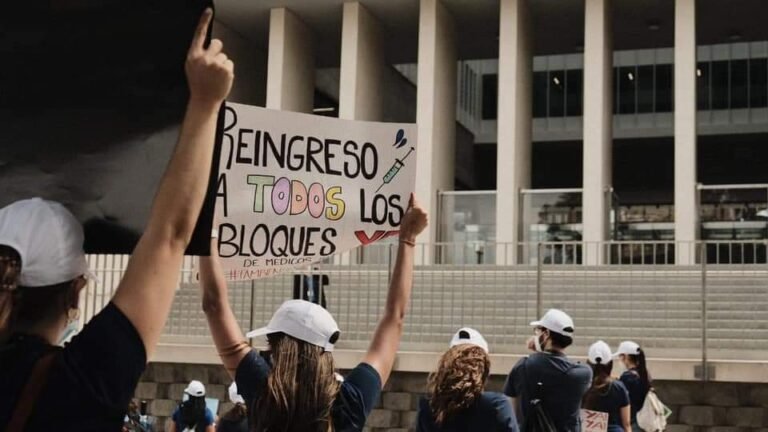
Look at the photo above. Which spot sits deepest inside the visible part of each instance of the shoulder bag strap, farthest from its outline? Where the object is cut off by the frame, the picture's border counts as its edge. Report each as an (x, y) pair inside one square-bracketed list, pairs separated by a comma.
[(31, 391)]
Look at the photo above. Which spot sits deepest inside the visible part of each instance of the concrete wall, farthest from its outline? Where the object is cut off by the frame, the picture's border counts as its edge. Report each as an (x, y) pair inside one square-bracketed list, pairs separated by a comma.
[(697, 406)]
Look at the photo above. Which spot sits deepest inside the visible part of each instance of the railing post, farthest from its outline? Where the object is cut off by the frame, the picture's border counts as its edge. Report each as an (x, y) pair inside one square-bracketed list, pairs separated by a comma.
[(538, 280), (704, 342)]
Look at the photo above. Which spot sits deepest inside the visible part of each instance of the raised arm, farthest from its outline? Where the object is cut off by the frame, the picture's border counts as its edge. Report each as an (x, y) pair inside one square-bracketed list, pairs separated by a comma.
[(227, 336), (146, 292), (386, 338)]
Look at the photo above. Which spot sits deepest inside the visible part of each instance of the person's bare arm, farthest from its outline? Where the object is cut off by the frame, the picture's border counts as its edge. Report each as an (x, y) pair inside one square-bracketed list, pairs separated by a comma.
[(386, 339), (626, 418), (146, 291), (516, 406), (227, 335)]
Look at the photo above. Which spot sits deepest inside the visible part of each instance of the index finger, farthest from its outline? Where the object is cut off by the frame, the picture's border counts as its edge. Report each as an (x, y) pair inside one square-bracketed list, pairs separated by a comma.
[(198, 42)]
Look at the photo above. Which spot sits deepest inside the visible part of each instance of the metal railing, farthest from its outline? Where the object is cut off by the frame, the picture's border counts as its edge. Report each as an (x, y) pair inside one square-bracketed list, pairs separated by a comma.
[(704, 311)]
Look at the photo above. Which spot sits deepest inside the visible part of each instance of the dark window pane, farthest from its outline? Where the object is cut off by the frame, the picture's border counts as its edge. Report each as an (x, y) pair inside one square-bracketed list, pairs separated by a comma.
[(615, 87), (702, 86), (644, 89), (739, 96), (490, 96), (758, 87), (719, 85), (556, 93), (627, 90), (573, 99), (539, 94), (663, 88)]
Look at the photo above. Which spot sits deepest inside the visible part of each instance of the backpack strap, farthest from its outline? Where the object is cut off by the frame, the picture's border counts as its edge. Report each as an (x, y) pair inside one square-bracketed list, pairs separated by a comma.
[(31, 391)]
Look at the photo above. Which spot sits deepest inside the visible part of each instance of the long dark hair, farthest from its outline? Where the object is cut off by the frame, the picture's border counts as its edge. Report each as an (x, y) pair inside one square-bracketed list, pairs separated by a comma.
[(192, 412), (22, 309), (642, 368), (301, 388), (601, 380), (458, 382)]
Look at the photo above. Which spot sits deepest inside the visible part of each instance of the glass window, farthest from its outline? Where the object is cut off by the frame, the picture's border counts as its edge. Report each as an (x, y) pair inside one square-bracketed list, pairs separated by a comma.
[(615, 86), (556, 93), (573, 99), (539, 94), (644, 89), (758, 87), (490, 96), (702, 86), (664, 88), (719, 86), (739, 95), (627, 91)]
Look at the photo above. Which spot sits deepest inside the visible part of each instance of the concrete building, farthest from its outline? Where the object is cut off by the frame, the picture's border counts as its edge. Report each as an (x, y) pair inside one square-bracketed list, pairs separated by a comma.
[(611, 131)]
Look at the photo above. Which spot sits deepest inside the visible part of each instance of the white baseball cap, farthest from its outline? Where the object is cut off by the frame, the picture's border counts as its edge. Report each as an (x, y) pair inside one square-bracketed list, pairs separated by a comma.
[(306, 321), (600, 353), (467, 335), (234, 396), (557, 321), (627, 347), (195, 388), (48, 239)]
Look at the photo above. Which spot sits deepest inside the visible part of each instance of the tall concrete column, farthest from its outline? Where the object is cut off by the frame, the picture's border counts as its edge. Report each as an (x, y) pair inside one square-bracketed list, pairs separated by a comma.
[(513, 154), (291, 63), (435, 109), (362, 65), (686, 196), (598, 131)]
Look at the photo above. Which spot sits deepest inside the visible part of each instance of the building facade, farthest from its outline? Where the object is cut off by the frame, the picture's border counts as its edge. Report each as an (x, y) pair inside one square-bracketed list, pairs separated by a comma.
[(610, 131)]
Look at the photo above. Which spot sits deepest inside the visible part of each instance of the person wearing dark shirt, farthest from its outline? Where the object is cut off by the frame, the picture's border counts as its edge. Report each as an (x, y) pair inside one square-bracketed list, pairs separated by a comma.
[(560, 382), (456, 400), (607, 394), (86, 385), (301, 337), (192, 414), (236, 419), (636, 378)]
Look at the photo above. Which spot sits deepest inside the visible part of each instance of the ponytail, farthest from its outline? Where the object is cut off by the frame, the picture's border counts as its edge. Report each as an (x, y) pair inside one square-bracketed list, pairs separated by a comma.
[(601, 376), (10, 267), (458, 381), (642, 368)]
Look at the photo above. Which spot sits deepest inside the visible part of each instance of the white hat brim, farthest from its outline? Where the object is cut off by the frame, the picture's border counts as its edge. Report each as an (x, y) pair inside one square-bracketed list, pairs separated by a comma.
[(259, 332), (536, 324)]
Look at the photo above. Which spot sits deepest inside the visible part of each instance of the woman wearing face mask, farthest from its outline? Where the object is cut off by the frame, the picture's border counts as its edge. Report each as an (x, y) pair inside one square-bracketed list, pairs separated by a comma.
[(192, 414), (636, 378), (296, 389), (456, 400), (86, 385), (607, 394)]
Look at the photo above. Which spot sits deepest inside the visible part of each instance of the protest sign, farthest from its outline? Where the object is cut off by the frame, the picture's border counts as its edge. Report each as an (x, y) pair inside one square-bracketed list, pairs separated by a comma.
[(594, 421), (294, 188)]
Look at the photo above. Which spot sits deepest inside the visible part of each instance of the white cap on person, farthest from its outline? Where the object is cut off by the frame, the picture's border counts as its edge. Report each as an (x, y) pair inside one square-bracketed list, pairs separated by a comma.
[(48, 239), (600, 353), (467, 335), (234, 396), (195, 388), (628, 348), (557, 321), (304, 321)]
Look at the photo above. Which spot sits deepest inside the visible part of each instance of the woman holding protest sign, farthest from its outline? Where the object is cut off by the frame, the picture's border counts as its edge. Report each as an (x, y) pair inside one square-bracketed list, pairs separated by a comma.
[(293, 386), (607, 395), (87, 384)]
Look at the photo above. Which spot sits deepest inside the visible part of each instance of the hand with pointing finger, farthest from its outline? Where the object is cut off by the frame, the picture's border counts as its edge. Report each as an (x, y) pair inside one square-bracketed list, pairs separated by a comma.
[(209, 71)]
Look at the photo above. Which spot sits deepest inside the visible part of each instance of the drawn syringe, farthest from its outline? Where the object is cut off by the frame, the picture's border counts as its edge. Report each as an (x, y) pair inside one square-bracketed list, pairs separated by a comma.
[(399, 163)]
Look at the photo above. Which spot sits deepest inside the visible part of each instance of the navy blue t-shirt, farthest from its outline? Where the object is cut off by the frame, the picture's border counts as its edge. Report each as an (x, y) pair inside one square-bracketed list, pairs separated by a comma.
[(91, 380), (176, 417), (358, 393), (610, 400), (490, 412), (563, 384), (637, 390)]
